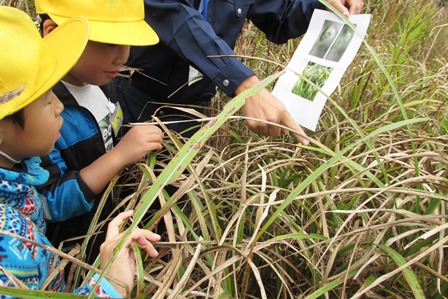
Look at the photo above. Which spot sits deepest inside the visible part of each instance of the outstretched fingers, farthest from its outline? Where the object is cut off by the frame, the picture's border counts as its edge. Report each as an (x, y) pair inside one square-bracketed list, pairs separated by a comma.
[(144, 239), (113, 228), (141, 237), (300, 134)]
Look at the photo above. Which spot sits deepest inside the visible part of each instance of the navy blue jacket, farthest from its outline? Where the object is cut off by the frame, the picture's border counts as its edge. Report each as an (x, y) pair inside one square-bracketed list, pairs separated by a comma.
[(187, 38)]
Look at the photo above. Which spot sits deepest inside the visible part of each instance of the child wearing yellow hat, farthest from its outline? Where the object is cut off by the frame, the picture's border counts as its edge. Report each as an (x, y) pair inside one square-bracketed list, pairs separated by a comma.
[(30, 120), (90, 151)]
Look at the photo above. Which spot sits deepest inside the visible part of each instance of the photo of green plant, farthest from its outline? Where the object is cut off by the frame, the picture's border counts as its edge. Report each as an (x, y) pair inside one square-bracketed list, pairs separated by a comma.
[(316, 73), (328, 34)]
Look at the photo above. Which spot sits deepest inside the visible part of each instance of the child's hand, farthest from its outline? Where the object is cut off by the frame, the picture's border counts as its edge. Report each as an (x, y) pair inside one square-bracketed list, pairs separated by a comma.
[(132, 147), (137, 142), (123, 267)]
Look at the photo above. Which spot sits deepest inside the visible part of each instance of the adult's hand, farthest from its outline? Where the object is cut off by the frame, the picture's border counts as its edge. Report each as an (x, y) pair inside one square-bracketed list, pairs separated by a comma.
[(123, 267), (264, 106), (347, 7)]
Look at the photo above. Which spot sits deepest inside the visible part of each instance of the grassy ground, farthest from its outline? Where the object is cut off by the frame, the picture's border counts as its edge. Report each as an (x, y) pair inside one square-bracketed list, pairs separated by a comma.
[(360, 213)]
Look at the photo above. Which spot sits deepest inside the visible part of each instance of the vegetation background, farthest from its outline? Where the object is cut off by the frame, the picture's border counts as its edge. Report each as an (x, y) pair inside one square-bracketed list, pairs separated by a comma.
[(359, 213)]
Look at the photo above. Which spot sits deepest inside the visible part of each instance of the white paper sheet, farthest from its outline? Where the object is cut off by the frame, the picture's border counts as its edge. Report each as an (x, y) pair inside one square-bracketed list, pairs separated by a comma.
[(323, 55)]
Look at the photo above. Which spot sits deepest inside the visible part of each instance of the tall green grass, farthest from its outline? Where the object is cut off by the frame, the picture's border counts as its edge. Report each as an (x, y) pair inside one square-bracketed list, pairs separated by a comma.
[(359, 213)]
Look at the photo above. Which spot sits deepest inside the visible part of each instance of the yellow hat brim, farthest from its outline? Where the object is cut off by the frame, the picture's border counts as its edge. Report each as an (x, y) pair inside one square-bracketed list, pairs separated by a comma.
[(137, 33)]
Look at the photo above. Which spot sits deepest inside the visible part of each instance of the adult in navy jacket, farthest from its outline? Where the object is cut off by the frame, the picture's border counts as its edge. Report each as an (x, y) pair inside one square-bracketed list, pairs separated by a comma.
[(191, 30)]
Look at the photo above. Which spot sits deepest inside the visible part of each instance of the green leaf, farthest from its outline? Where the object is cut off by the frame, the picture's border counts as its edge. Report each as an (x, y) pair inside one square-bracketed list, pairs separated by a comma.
[(407, 273)]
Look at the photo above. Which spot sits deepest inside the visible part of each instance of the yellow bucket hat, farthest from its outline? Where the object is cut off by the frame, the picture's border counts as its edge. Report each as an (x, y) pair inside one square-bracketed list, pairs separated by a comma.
[(30, 65), (119, 22)]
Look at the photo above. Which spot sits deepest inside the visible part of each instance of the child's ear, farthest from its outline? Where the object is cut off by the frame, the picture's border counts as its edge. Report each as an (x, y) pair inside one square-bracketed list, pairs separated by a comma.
[(48, 26)]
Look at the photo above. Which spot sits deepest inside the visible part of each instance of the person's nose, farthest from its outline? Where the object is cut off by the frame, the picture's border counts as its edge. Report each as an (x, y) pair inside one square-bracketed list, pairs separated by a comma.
[(122, 55), (59, 106)]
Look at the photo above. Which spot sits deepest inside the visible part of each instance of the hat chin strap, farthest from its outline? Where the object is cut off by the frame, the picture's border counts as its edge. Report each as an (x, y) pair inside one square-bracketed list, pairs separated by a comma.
[(10, 158)]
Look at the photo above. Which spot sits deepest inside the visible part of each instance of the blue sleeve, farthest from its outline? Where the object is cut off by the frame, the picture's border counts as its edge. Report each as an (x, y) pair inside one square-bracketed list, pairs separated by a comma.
[(67, 194), (190, 36), (27, 262), (28, 269), (31, 264), (16, 259), (282, 20), (105, 289)]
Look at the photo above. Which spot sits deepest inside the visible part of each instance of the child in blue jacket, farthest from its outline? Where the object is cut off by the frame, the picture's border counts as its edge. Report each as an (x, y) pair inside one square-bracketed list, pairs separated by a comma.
[(30, 121), (91, 152)]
